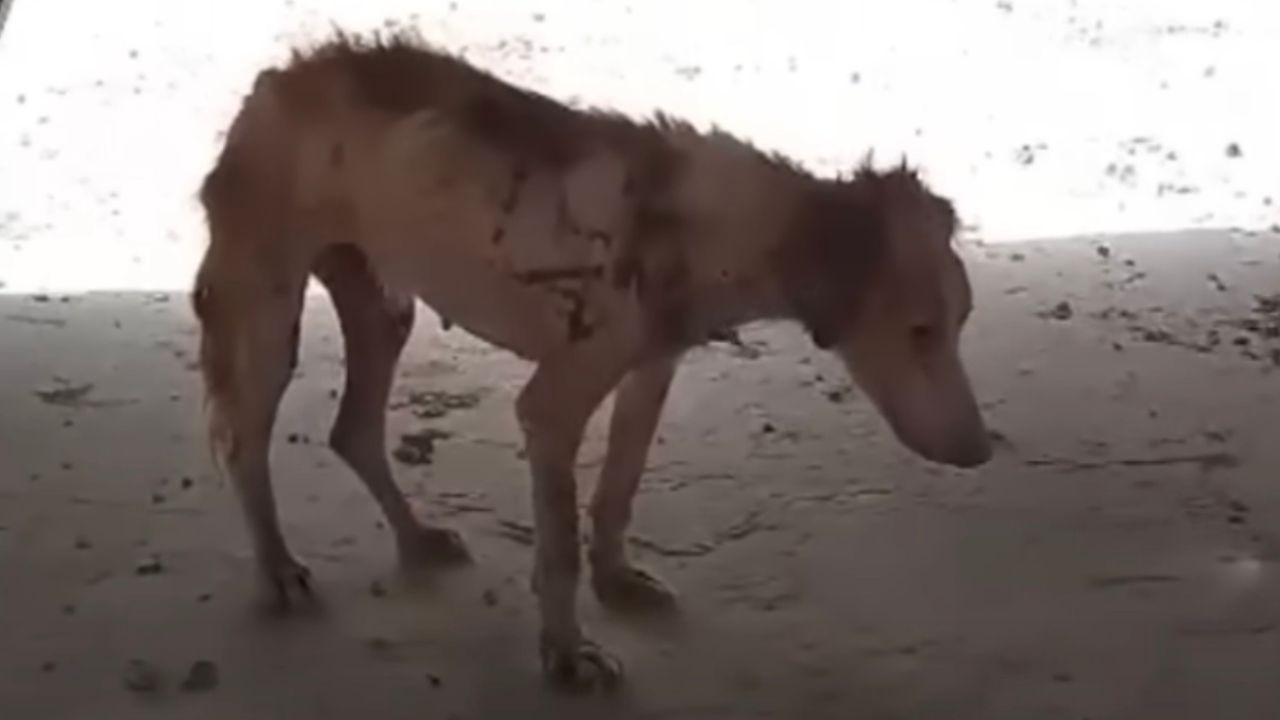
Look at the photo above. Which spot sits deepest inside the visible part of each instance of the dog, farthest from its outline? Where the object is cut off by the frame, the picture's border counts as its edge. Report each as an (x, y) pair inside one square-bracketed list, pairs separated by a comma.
[(598, 247)]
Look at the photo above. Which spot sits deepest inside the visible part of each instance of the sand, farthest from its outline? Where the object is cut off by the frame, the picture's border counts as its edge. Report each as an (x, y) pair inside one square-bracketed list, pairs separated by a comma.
[(1116, 560)]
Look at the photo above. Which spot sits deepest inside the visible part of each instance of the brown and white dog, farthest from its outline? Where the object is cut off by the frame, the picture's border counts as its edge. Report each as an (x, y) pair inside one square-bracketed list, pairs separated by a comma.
[(596, 247)]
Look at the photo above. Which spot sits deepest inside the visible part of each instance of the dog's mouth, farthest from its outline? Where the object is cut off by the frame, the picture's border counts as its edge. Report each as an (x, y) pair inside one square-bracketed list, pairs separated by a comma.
[(968, 449), (935, 415)]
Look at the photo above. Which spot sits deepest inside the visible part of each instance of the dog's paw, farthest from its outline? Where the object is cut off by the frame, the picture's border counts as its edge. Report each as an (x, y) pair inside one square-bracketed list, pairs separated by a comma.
[(428, 546), (286, 584), (580, 666), (626, 588)]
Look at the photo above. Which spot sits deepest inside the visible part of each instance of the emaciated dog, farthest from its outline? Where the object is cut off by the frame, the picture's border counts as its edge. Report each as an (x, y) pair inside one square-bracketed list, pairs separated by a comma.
[(597, 247)]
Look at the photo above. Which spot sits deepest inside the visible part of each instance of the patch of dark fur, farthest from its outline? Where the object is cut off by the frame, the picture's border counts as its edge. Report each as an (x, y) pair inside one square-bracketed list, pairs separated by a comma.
[(671, 318), (201, 299), (294, 340), (337, 156), (523, 123), (403, 318), (400, 73), (660, 166), (652, 261), (649, 185), (565, 224), (628, 271), (837, 241), (518, 176), (345, 269), (652, 219), (551, 275), (577, 327), (656, 266)]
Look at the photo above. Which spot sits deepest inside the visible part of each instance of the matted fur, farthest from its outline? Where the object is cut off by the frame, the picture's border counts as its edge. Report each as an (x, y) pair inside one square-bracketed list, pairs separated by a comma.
[(598, 246)]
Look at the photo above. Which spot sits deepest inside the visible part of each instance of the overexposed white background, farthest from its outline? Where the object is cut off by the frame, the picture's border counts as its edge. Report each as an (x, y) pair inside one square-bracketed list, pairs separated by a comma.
[(1043, 118)]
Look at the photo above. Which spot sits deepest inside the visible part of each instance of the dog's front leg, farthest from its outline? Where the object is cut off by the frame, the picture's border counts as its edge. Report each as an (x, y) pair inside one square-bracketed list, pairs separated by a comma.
[(637, 407), (553, 410)]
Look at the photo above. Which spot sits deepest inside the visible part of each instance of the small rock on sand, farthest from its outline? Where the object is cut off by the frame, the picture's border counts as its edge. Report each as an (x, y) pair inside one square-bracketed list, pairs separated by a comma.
[(435, 404), (202, 677), (150, 565), (65, 395), (1062, 312), (141, 676), (418, 448)]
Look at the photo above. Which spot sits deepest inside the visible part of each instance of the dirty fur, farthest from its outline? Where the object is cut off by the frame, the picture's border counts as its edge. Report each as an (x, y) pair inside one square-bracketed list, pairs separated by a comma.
[(597, 246)]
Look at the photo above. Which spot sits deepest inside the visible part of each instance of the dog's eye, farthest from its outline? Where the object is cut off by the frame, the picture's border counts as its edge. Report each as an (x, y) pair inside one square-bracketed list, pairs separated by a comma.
[(923, 334)]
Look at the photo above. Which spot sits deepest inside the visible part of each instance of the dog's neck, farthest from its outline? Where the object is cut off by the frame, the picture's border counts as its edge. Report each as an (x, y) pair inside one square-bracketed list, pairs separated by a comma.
[(740, 208)]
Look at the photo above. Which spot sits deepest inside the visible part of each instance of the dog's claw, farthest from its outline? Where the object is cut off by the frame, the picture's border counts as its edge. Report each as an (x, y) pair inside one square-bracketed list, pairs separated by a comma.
[(627, 588), (583, 666), (290, 581), (430, 546)]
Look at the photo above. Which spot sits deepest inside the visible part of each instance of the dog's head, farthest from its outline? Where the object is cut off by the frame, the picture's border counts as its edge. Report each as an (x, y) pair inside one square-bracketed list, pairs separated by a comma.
[(870, 270)]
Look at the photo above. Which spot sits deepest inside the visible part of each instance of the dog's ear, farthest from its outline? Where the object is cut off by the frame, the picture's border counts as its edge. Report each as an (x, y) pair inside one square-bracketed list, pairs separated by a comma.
[(948, 219), (835, 239)]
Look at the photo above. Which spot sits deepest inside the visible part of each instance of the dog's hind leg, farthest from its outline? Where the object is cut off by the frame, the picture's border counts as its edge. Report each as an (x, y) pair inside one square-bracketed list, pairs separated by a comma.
[(637, 406), (248, 345), (248, 298), (375, 328)]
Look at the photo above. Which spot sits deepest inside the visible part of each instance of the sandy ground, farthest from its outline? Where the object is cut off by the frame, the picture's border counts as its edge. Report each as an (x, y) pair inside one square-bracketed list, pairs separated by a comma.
[(1116, 561)]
